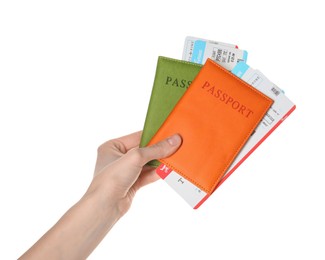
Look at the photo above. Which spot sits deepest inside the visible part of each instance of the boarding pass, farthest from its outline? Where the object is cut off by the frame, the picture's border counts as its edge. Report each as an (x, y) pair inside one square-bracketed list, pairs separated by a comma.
[(198, 50)]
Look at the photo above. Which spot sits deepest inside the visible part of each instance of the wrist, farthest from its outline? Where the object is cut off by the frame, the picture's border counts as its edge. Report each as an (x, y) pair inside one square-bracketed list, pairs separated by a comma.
[(102, 204), (109, 196)]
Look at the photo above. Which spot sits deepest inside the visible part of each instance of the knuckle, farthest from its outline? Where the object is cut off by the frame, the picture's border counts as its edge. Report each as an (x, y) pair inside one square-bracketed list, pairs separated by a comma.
[(101, 148), (104, 146), (113, 144), (136, 156)]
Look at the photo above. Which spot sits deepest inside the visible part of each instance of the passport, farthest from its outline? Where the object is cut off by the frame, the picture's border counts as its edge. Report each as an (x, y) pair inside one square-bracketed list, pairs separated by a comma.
[(172, 78), (215, 117)]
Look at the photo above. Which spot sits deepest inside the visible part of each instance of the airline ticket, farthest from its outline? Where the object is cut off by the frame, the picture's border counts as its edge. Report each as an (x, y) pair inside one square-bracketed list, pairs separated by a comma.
[(198, 50)]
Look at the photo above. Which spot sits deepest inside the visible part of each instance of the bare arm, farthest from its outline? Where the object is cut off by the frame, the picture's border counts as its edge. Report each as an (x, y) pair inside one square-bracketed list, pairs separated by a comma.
[(119, 173)]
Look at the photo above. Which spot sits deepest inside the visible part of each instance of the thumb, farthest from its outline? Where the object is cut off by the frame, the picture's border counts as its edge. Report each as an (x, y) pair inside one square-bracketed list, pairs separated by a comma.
[(162, 149)]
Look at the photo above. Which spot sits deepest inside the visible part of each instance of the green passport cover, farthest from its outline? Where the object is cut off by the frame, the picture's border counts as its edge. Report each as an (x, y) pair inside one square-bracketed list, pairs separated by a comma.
[(171, 81)]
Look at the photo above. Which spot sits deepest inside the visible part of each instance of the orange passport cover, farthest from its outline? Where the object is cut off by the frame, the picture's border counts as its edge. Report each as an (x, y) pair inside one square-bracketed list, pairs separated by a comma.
[(215, 117)]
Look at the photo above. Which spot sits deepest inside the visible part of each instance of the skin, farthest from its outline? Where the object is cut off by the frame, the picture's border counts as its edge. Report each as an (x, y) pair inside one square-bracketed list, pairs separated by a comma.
[(120, 171)]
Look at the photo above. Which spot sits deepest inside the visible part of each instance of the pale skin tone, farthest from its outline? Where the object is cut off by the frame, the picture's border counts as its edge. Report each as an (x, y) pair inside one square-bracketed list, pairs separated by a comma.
[(120, 172)]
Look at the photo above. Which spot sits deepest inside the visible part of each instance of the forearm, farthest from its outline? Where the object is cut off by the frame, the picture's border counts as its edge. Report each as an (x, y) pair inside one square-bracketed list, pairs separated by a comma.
[(78, 232), (119, 173)]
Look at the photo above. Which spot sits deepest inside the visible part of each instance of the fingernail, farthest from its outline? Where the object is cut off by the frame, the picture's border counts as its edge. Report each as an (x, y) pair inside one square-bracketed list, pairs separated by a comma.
[(174, 140)]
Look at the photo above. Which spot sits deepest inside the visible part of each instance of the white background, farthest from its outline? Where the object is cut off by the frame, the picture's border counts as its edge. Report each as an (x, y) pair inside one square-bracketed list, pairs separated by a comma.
[(74, 74)]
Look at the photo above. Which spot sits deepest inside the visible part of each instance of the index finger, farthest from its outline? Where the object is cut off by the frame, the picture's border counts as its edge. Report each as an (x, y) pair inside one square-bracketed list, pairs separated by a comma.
[(130, 141)]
